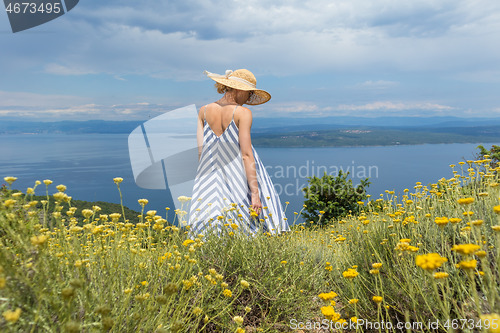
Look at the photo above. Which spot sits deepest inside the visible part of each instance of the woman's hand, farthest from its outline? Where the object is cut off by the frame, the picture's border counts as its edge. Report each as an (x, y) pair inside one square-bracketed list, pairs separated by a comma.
[(256, 204)]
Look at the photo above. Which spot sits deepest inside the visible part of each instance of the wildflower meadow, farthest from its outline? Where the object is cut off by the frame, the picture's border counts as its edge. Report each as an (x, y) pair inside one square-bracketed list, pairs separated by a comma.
[(423, 261)]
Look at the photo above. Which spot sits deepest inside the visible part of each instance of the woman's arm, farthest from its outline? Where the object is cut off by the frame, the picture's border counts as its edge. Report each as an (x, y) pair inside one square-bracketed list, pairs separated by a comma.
[(245, 124), (199, 131)]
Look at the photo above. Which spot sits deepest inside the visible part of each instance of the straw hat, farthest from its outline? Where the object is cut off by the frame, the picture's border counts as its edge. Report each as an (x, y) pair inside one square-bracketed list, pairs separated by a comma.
[(242, 79)]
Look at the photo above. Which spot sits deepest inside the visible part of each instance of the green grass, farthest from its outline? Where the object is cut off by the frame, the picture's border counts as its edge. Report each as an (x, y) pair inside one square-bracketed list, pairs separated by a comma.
[(94, 274)]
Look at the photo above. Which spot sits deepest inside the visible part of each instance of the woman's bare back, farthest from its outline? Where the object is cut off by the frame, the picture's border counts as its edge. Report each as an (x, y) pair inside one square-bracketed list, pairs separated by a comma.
[(219, 117)]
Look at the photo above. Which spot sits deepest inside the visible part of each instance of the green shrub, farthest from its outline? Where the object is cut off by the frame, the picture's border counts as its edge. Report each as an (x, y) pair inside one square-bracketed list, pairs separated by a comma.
[(493, 153), (335, 196)]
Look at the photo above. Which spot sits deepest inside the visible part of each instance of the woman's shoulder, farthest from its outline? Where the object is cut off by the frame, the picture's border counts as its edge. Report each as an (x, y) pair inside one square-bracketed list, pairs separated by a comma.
[(243, 115), (244, 108), (203, 109), (244, 112)]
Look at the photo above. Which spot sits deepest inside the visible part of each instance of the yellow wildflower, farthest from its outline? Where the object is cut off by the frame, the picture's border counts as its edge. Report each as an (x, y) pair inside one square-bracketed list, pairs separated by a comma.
[(440, 275), (87, 213), (327, 296), (377, 299), (353, 301), (39, 240), (238, 320), (466, 249), (10, 180), (142, 297), (228, 293), (117, 180), (329, 313), (350, 273), (430, 261), (12, 316), (9, 203), (403, 245), (477, 222), (187, 242), (441, 221), (480, 254), (377, 265), (465, 201), (467, 264), (490, 322), (183, 198), (244, 284), (60, 196)]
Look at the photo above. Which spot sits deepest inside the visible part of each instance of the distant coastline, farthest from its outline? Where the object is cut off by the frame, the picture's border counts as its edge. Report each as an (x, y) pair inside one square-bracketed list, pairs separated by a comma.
[(307, 132), (367, 137)]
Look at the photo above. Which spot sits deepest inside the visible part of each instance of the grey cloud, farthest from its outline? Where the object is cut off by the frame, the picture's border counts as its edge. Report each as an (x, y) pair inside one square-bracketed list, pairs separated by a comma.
[(168, 39)]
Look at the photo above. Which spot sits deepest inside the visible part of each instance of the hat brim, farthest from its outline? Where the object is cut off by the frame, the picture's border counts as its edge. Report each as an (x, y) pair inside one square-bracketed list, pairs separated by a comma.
[(259, 96)]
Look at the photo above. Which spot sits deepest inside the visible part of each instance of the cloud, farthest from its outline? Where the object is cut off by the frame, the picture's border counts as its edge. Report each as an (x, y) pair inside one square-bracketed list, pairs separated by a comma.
[(379, 85), (395, 106), (377, 108), (16, 99), (299, 107), (490, 112), (174, 39), (62, 107), (359, 50), (58, 69), (239, 20), (479, 76)]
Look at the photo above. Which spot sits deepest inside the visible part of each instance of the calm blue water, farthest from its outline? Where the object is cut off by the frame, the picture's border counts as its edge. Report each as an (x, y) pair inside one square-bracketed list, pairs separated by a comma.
[(87, 164)]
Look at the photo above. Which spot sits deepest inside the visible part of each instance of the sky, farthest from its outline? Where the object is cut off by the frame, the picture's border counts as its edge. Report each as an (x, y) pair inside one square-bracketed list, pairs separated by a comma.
[(134, 60)]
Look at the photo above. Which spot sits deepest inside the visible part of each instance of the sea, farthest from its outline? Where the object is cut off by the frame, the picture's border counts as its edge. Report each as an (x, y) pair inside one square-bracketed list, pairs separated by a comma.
[(87, 164)]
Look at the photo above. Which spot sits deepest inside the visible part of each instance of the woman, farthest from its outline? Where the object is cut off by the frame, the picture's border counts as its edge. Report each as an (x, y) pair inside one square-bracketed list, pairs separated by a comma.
[(231, 184)]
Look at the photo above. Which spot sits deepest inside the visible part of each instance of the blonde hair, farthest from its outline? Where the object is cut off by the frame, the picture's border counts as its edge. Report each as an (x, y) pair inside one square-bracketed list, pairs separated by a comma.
[(222, 89)]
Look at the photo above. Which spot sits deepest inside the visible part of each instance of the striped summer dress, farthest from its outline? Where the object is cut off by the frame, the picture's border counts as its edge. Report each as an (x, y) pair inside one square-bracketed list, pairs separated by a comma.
[(221, 188)]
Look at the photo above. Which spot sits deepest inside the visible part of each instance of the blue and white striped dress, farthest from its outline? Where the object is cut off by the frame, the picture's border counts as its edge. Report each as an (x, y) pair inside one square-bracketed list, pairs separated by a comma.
[(221, 188)]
